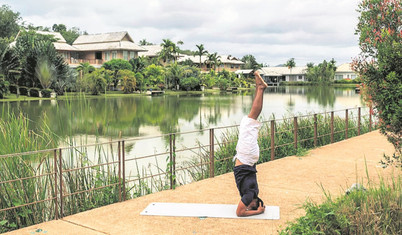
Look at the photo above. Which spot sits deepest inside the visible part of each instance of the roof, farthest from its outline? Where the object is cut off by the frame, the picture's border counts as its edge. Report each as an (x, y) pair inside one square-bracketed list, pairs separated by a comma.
[(60, 44), (102, 37), (280, 71), (243, 71), (344, 68), (106, 41), (152, 50), (56, 35)]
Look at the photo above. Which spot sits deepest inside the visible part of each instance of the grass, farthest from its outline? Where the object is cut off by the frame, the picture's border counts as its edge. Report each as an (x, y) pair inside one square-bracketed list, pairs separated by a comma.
[(375, 210)]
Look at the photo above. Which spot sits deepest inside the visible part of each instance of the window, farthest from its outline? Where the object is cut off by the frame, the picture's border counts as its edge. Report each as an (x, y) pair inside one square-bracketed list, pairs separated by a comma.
[(114, 54), (98, 55), (300, 77), (107, 55), (125, 55), (132, 54)]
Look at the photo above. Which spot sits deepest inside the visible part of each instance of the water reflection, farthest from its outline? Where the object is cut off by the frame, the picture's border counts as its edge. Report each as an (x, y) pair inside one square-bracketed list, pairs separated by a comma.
[(146, 115)]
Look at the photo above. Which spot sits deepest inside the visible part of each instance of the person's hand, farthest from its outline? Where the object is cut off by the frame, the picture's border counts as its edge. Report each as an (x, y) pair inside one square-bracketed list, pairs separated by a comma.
[(261, 209)]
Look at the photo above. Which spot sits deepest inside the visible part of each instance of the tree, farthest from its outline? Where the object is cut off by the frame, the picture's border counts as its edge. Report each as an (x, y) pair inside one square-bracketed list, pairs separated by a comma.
[(154, 75), (115, 65), (95, 82), (291, 64), (379, 64), (138, 63), (250, 62), (128, 80), (59, 28), (200, 52), (189, 83), (144, 42), (9, 20), (168, 51), (322, 73), (214, 60), (173, 75), (45, 72)]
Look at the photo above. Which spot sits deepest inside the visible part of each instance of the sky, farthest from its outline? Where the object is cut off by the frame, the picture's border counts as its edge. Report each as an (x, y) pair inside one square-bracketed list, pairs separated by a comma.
[(273, 31)]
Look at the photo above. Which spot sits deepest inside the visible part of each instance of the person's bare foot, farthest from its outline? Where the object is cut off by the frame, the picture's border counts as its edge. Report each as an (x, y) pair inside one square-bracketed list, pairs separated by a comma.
[(259, 82)]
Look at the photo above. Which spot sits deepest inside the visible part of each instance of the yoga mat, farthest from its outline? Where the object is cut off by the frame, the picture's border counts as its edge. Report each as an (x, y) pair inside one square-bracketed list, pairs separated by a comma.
[(205, 210)]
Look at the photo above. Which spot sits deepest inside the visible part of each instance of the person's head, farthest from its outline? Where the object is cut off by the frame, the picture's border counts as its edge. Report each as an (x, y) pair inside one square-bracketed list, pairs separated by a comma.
[(253, 204)]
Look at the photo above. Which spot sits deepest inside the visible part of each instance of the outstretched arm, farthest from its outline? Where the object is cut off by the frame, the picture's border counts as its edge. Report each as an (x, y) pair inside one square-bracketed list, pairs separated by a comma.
[(242, 210)]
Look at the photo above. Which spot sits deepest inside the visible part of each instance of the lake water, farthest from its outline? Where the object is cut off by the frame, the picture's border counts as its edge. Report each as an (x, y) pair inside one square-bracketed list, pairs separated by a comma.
[(104, 119)]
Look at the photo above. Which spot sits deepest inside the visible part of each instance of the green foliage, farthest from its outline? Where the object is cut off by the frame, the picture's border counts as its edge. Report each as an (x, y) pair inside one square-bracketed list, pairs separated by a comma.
[(9, 22), (189, 83), (3, 87), (46, 93), (223, 83), (290, 63), (34, 92), (375, 211), (115, 65), (127, 79), (95, 82), (154, 75), (69, 35), (169, 51), (250, 63), (201, 52), (173, 74), (138, 64), (322, 73), (45, 72), (213, 60), (380, 63)]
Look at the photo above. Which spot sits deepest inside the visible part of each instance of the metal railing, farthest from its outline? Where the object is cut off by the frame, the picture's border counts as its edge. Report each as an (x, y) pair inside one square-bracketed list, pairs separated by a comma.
[(64, 167)]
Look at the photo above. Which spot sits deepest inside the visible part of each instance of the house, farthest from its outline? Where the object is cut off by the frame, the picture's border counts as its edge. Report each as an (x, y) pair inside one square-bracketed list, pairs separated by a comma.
[(100, 48), (228, 63), (152, 51), (344, 71), (275, 75)]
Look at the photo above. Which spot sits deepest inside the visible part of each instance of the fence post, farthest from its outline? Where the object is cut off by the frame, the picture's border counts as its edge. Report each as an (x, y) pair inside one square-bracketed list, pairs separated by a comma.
[(358, 120), (124, 170), (171, 160), (119, 155), (61, 183), (272, 140), (315, 130), (346, 123), (56, 211), (370, 120), (174, 159), (211, 153), (295, 132), (332, 127)]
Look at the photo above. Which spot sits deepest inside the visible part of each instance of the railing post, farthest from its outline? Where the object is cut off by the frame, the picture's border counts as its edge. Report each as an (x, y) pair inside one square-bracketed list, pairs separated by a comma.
[(370, 118), (315, 130), (346, 123), (272, 140), (61, 183), (332, 127), (124, 170), (358, 120), (56, 211), (211, 153), (295, 132), (119, 155), (172, 160)]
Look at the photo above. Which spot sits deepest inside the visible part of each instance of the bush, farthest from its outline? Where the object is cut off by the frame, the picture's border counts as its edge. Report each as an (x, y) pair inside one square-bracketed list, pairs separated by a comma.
[(189, 83), (24, 90), (3, 88), (46, 93), (13, 89), (34, 92)]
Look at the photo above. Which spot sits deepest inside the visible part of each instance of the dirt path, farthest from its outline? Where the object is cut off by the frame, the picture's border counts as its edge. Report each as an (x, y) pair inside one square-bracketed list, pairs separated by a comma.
[(286, 182)]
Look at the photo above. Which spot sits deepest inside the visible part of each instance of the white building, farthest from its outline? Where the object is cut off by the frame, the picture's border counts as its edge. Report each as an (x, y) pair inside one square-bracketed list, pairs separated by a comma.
[(344, 71)]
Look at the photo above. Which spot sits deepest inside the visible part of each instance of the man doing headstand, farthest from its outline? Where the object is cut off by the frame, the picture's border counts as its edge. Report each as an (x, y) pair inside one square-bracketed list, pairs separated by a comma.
[(247, 156)]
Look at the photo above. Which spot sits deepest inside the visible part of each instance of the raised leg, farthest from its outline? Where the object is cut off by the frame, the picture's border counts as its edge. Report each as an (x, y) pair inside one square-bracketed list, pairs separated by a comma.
[(260, 86)]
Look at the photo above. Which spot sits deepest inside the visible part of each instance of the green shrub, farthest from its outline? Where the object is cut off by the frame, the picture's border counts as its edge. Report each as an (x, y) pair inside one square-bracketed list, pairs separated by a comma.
[(46, 93), (13, 89), (24, 90), (3, 88), (34, 92)]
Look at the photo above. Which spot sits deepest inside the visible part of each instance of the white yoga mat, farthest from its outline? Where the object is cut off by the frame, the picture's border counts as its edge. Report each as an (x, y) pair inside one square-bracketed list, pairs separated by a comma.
[(205, 210)]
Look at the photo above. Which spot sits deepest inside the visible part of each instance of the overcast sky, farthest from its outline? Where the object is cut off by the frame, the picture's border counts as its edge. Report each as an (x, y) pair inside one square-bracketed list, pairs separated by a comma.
[(271, 30)]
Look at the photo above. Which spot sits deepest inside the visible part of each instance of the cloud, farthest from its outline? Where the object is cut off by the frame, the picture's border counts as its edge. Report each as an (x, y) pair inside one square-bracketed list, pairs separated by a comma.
[(273, 31)]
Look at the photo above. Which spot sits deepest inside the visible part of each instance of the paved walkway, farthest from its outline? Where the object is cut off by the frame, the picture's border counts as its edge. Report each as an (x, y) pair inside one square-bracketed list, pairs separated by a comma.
[(286, 182)]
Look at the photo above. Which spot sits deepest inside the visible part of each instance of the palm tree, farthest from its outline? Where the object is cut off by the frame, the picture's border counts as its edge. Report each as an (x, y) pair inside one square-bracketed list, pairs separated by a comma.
[(291, 64), (174, 73), (168, 51), (45, 72), (201, 51), (214, 59)]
